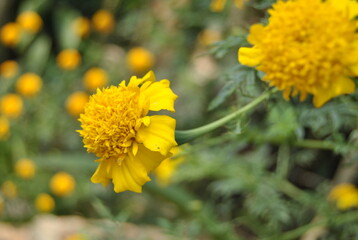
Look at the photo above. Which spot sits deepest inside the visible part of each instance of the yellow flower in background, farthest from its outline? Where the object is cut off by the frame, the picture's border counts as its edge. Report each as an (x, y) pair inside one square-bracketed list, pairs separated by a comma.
[(68, 59), (165, 171), (4, 127), (345, 195), (82, 26), (9, 189), (10, 34), (29, 84), (9, 69), (2, 204), (30, 21), (62, 184), (95, 78), (44, 203), (217, 5), (76, 236), (25, 168), (140, 59), (76, 102), (308, 47), (11, 105), (209, 36), (129, 143), (103, 21)]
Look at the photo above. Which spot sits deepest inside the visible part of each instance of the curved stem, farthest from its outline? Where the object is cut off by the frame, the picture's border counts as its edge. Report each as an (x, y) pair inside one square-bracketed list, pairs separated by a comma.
[(183, 136)]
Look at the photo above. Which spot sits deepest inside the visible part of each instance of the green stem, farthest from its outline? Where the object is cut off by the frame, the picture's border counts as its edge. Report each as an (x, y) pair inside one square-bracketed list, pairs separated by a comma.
[(318, 144), (183, 136)]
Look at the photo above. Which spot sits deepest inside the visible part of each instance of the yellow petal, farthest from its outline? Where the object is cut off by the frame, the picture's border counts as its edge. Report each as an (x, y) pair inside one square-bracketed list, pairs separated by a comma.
[(348, 7), (159, 136), (160, 95), (341, 86), (149, 159), (102, 174), (249, 56), (256, 33)]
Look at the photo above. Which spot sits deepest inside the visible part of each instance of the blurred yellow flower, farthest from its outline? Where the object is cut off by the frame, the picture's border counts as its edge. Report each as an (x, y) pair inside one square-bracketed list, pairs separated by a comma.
[(25, 168), (76, 236), (345, 195), (30, 21), (2, 203), (76, 102), (103, 21), (68, 59), (10, 34), (44, 202), (308, 47), (4, 127), (140, 59), (82, 26), (95, 78), (165, 171), (9, 69), (11, 105), (9, 189), (209, 36), (62, 184), (217, 5), (29, 84), (117, 128)]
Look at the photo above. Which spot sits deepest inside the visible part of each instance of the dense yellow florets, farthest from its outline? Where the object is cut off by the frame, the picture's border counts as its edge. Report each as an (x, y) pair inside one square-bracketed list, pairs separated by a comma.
[(308, 47)]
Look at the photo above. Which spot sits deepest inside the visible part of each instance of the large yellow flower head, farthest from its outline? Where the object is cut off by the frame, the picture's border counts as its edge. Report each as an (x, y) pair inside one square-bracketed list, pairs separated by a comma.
[(308, 47), (25, 168), (9, 69), (68, 59), (11, 105), (10, 34), (30, 21), (103, 21), (29, 84), (140, 59), (117, 128), (62, 184), (95, 78)]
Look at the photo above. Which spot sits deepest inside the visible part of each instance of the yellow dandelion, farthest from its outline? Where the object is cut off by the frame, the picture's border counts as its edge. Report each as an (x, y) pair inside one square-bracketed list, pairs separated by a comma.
[(44, 203), (165, 171), (30, 21), (95, 78), (76, 102), (345, 195), (10, 34), (4, 128), (29, 84), (25, 168), (103, 21), (140, 59), (68, 59), (209, 36), (129, 143), (308, 47), (9, 69), (81, 26), (62, 184), (9, 189), (11, 105)]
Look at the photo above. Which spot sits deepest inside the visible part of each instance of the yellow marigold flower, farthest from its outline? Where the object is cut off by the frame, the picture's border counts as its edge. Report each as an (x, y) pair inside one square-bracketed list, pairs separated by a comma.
[(29, 84), (25, 168), (30, 21), (308, 47), (217, 5), (9, 68), (76, 102), (68, 59), (82, 26), (117, 128), (140, 59), (165, 171), (10, 34), (95, 78), (11, 105), (208, 37), (345, 195), (4, 127), (44, 202), (62, 184), (103, 21), (9, 189)]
